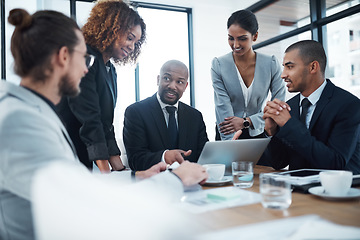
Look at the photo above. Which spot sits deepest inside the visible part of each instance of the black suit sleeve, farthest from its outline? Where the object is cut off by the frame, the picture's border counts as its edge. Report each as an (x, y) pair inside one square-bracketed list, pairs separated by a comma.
[(330, 145), (202, 136), (136, 141), (99, 139)]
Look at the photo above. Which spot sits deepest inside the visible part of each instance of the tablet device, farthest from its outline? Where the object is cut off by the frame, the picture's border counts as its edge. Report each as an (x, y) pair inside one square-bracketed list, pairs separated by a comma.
[(229, 151), (304, 176), (303, 173), (304, 179)]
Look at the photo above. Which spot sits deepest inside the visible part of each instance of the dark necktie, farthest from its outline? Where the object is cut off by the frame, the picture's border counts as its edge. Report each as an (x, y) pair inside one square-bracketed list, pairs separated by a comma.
[(172, 127), (305, 104)]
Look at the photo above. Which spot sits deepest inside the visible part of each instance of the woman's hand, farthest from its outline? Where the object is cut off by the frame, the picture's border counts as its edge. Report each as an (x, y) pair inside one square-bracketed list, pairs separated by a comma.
[(231, 125)]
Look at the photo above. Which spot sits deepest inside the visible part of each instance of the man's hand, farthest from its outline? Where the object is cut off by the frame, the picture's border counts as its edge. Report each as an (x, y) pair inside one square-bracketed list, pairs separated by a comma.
[(191, 173), (176, 155), (278, 111), (116, 163), (270, 127), (231, 125), (157, 168), (103, 166), (237, 135)]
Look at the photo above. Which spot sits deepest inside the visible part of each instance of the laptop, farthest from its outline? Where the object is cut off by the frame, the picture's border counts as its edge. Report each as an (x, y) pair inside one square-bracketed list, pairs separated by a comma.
[(229, 151)]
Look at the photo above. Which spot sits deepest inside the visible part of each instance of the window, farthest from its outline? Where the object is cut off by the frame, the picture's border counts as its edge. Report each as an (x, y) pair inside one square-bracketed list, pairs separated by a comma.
[(338, 30), (31, 6), (163, 43)]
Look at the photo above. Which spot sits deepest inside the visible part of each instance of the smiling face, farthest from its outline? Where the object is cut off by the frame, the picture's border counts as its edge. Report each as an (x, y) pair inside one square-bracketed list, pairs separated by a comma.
[(123, 46), (240, 40), (172, 81), (295, 73)]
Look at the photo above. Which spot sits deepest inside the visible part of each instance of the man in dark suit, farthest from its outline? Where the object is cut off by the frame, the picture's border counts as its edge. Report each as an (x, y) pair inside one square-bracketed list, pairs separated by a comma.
[(152, 134), (328, 137)]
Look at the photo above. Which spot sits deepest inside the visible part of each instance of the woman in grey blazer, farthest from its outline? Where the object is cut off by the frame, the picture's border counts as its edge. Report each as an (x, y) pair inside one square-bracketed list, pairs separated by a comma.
[(242, 80)]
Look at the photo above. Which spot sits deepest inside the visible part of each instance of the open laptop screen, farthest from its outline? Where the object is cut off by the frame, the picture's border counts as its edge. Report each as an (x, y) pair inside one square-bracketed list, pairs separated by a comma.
[(229, 151)]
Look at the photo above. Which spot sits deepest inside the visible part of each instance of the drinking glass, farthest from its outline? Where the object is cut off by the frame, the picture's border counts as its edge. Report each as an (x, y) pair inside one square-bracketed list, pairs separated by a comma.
[(243, 174), (275, 190)]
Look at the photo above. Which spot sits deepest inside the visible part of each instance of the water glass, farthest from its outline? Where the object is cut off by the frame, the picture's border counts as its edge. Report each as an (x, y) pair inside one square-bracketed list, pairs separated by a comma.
[(275, 191), (243, 174)]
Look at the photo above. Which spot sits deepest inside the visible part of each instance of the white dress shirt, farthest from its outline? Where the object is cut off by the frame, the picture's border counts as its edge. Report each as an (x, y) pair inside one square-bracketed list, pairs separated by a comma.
[(313, 99), (246, 90), (166, 116)]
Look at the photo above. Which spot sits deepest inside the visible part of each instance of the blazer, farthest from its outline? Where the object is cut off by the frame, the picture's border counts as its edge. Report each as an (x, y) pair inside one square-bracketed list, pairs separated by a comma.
[(89, 116), (228, 95), (31, 137), (145, 133), (332, 140)]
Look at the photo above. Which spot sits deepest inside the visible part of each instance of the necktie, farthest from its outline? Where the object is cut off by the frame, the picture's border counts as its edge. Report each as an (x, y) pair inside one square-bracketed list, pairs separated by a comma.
[(305, 104), (172, 127)]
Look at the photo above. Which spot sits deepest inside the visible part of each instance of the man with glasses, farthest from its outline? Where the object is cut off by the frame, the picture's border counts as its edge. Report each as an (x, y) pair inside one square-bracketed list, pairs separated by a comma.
[(32, 137)]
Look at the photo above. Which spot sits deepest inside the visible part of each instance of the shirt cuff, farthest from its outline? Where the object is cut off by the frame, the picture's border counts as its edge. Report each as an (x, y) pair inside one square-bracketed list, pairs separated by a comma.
[(163, 156)]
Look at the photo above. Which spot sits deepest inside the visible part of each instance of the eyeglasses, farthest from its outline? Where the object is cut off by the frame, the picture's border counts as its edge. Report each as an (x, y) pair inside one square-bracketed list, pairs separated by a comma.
[(89, 59)]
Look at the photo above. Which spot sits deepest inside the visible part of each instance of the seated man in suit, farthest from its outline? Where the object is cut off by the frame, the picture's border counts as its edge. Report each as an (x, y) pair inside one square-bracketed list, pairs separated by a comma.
[(319, 127), (31, 133), (152, 133)]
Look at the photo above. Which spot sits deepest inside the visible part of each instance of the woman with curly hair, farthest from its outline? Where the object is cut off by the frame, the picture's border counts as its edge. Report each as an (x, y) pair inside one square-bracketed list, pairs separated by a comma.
[(114, 33)]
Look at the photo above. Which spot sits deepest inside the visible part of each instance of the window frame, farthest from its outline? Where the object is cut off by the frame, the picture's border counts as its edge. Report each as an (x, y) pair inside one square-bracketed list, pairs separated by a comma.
[(317, 25)]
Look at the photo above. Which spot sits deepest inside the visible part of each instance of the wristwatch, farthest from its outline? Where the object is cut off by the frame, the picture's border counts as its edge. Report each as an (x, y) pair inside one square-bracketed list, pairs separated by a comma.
[(246, 123)]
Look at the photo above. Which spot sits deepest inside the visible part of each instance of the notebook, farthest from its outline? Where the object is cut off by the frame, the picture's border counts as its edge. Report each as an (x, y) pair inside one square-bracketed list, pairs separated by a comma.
[(229, 151)]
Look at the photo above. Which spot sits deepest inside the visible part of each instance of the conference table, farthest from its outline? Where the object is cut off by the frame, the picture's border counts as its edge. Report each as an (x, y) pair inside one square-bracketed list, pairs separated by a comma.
[(346, 212)]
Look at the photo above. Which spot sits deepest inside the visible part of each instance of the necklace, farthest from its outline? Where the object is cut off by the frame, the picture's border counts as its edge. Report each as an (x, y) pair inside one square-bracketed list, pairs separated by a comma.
[(242, 67)]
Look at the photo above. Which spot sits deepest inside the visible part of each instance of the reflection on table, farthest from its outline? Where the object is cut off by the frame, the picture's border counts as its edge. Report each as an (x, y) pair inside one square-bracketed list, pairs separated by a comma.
[(339, 212)]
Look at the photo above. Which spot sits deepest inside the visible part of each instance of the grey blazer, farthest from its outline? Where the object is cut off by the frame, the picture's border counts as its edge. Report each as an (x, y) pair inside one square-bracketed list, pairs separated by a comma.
[(31, 136), (228, 95)]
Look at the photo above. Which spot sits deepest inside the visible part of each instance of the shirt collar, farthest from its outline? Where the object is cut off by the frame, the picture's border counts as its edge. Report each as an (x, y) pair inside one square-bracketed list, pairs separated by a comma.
[(51, 104), (315, 96), (163, 105)]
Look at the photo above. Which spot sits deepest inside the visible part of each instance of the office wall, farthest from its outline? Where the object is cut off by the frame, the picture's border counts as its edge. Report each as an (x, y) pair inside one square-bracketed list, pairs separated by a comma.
[(210, 40)]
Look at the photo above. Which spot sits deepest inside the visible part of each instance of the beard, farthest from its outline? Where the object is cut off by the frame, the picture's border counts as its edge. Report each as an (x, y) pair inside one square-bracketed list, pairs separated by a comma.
[(67, 88), (162, 95)]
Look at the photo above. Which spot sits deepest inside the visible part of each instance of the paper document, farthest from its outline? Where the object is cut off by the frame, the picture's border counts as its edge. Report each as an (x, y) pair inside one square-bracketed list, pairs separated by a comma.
[(294, 228), (217, 198)]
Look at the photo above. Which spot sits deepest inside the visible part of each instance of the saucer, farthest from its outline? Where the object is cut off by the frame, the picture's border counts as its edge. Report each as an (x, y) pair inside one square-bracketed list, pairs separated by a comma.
[(223, 181), (319, 191)]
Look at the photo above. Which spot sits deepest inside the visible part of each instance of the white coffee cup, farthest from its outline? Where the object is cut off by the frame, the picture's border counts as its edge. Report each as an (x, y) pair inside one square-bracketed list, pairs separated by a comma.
[(215, 171), (336, 183)]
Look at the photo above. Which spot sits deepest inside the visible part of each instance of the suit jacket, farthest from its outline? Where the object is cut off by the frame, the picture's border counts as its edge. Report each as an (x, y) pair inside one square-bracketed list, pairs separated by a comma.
[(228, 95), (145, 133), (31, 137), (332, 140), (89, 116)]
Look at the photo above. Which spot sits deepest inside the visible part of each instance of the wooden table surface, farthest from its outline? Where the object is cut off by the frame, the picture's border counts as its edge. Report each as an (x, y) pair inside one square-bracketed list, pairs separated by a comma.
[(345, 212)]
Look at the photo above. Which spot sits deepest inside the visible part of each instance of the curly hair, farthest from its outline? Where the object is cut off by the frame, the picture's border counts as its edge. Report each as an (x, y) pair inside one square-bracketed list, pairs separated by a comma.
[(110, 20)]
